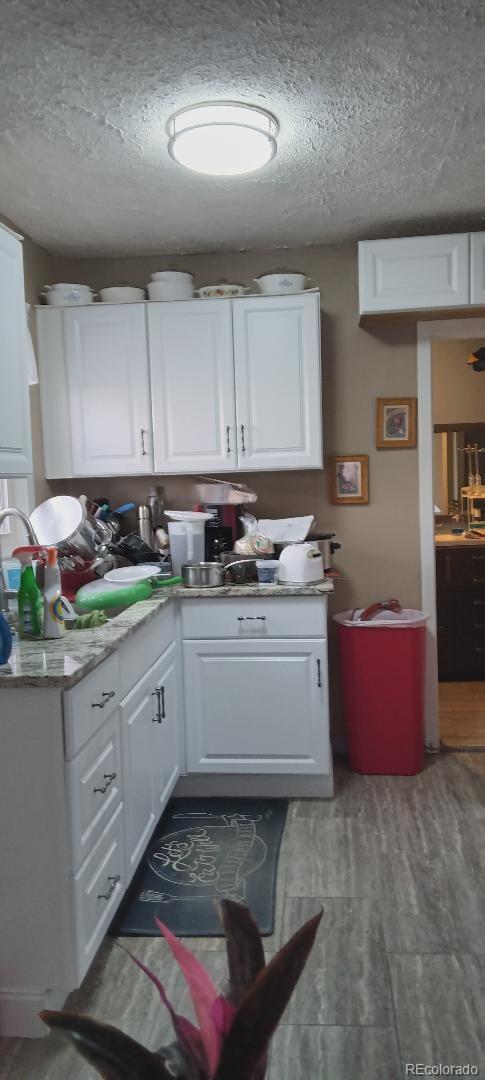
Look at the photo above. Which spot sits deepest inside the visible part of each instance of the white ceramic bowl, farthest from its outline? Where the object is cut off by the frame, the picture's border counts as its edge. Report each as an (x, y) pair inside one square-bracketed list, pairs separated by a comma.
[(223, 289), (67, 295), (172, 275), (122, 294), (281, 283), (171, 290)]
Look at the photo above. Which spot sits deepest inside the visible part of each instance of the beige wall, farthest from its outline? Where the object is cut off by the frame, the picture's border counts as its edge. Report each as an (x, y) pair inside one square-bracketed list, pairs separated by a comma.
[(458, 390), (380, 547)]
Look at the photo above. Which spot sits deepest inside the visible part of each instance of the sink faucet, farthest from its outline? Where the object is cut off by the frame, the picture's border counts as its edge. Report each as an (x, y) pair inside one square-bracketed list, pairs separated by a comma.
[(11, 511)]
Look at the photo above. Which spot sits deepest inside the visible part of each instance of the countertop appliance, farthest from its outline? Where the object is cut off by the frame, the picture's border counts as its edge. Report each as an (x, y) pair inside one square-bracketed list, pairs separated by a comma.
[(327, 545), (301, 564)]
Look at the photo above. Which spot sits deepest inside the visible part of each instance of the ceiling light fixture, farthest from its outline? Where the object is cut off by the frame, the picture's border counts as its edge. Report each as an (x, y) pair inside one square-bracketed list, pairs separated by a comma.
[(222, 138)]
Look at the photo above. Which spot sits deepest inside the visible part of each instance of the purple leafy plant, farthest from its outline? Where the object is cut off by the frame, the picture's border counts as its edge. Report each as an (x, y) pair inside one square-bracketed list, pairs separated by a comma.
[(234, 1029)]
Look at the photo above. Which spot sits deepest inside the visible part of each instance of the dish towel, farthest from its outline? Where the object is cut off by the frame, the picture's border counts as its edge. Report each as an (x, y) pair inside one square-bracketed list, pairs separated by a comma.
[(29, 352), (5, 526)]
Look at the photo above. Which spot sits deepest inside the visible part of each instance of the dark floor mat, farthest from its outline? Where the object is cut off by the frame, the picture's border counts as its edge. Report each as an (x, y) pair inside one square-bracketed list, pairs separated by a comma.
[(204, 850)]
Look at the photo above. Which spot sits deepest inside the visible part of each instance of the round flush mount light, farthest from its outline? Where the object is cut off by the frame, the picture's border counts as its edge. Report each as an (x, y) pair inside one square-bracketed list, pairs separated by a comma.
[(222, 138)]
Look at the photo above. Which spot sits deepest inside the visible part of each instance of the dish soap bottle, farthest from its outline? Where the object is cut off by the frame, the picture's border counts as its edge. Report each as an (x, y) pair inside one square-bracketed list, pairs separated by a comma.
[(5, 640), (30, 604), (54, 625)]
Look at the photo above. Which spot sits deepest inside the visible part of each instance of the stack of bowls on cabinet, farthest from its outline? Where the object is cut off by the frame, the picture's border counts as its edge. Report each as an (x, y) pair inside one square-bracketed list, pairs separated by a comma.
[(171, 285)]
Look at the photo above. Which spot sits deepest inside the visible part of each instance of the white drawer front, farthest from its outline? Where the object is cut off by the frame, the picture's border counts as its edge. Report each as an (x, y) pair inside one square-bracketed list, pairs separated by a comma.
[(93, 782), (143, 648), (97, 890), (87, 706), (255, 617)]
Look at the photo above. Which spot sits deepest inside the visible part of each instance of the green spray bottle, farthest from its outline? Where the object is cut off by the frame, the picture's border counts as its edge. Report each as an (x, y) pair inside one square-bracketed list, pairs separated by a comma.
[(29, 599)]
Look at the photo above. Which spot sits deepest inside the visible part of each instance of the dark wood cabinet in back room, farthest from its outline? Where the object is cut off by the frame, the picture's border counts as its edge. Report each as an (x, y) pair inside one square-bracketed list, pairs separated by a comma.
[(460, 602)]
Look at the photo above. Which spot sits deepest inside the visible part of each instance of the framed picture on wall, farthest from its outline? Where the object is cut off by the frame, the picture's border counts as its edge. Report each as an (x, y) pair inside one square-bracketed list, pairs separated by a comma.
[(349, 479), (396, 423)]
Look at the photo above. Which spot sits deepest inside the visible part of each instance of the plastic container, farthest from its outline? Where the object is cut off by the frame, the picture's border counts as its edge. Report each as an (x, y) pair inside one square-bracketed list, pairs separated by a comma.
[(29, 599), (54, 615), (11, 572), (267, 570), (187, 543), (382, 665)]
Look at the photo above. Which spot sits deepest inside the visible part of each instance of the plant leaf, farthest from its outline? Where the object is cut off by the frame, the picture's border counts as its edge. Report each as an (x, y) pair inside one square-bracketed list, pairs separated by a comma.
[(262, 1008), (113, 1054), (187, 1034), (245, 953), (223, 1014), (202, 992)]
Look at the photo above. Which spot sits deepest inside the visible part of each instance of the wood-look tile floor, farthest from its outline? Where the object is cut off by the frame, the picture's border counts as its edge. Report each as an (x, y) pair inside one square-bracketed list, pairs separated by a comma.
[(462, 714), (397, 975)]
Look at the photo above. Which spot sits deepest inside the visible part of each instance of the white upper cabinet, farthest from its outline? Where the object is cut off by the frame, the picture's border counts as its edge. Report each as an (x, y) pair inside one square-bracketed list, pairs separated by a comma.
[(107, 378), (192, 377), (15, 437), (477, 267), (413, 273), (278, 382), (215, 386)]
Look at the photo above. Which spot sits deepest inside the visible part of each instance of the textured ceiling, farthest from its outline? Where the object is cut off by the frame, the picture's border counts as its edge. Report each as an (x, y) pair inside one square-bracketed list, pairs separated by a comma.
[(381, 110)]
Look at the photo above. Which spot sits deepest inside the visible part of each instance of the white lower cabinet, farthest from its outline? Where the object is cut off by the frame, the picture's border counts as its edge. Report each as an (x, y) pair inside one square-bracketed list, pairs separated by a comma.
[(97, 890), (256, 706), (149, 721)]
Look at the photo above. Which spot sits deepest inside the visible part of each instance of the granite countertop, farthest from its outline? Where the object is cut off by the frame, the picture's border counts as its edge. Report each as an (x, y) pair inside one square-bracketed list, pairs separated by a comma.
[(64, 662), (448, 539)]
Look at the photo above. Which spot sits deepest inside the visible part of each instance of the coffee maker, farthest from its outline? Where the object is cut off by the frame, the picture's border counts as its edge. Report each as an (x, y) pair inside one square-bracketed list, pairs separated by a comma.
[(220, 530)]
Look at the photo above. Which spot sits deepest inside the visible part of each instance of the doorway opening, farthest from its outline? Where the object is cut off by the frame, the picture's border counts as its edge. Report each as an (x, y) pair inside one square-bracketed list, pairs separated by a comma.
[(452, 510)]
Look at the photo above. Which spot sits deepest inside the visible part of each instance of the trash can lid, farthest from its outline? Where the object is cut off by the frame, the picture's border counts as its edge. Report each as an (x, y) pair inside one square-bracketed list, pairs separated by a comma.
[(404, 619)]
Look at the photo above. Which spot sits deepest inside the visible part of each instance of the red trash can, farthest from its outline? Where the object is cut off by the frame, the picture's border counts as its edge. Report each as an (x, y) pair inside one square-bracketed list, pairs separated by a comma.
[(382, 662)]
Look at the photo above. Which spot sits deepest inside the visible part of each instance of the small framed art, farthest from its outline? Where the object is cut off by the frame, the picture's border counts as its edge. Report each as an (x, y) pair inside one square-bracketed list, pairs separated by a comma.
[(396, 423), (349, 479)]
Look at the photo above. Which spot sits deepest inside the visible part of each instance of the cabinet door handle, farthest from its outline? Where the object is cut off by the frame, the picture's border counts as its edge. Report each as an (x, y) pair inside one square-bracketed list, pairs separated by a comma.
[(478, 558), (479, 580), (251, 618), (448, 569), (478, 603), (319, 673), (113, 881), (228, 442), (479, 648), (105, 697), (156, 693), (108, 777), (143, 432), (163, 703), (479, 626), (243, 444)]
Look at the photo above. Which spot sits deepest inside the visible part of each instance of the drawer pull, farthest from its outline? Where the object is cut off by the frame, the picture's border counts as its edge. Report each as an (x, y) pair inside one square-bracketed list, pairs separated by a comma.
[(478, 603), (479, 626), (228, 441), (319, 673), (251, 618), (108, 777), (479, 648), (106, 696), (478, 558), (479, 580), (113, 880)]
